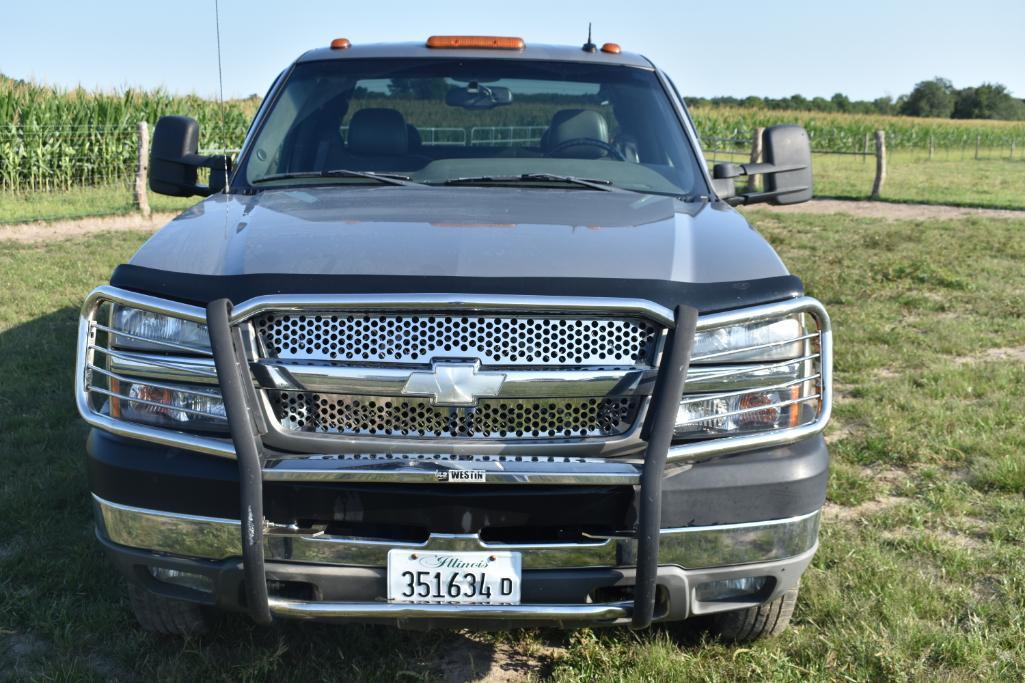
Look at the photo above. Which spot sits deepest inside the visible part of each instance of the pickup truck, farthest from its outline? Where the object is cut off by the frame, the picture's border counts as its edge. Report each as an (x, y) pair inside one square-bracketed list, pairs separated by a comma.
[(466, 335)]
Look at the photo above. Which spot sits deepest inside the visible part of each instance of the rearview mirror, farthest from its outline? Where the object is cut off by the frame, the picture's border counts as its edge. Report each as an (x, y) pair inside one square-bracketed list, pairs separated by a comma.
[(174, 160), (477, 96), (786, 169)]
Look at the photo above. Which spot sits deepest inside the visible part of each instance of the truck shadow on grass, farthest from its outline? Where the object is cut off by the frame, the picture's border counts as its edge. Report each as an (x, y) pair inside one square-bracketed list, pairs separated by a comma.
[(63, 610)]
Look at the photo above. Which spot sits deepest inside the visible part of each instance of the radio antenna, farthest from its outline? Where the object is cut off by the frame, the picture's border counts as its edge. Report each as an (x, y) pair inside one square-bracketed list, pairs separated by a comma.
[(220, 84), (589, 46)]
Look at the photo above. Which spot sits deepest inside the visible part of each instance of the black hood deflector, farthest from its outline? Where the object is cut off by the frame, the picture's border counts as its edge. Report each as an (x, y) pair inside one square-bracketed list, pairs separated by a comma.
[(707, 297)]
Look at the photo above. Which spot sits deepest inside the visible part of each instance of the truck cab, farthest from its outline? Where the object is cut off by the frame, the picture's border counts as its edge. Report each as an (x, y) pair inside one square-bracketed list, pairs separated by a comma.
[(467, 335)]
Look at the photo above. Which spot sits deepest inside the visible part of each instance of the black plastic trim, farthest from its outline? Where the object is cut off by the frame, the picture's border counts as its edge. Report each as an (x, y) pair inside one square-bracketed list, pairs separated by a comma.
[(706, 297), (770, 483), (659, 434), (233, 377)]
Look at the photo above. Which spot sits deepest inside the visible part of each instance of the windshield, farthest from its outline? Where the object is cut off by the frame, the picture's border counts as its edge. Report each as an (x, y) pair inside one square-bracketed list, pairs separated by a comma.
[(447, 121)]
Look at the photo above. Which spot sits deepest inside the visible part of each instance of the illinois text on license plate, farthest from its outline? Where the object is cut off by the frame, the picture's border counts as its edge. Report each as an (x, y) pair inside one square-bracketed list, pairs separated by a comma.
[(473, 578)]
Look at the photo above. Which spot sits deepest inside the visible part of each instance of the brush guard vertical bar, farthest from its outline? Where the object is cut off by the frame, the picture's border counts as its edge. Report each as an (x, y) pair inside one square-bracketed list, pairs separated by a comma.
[(659, 434), (235, 381)]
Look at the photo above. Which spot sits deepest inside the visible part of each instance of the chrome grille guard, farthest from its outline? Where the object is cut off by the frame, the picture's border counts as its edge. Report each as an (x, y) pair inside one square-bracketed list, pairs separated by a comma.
[(239, 398), (230, 366)]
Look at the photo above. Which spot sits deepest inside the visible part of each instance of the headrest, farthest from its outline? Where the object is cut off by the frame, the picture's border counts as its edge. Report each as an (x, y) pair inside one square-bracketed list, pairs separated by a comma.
[(415, 141), (378, 132), (572, 124)]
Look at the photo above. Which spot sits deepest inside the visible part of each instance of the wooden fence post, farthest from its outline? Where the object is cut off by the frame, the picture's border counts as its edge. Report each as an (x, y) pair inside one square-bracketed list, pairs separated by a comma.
[(142, 171), (756, 156), (877, 184)]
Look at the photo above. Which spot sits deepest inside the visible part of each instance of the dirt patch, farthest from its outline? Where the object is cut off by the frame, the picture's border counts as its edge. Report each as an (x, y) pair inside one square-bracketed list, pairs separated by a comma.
[(1011, 353), (471, 660), (20, 655), (831, 512), (891, 478), (837, 431), (511, 664), (893, 211), (42, 231)]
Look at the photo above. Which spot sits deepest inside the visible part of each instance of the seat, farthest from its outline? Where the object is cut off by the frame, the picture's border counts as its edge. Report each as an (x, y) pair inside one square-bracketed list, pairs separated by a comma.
[(577, 124), (379, 140)]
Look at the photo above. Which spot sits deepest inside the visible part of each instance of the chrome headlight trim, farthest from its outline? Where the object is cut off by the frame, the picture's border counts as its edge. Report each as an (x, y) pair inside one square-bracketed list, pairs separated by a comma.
[(85, 356), (732, 444)]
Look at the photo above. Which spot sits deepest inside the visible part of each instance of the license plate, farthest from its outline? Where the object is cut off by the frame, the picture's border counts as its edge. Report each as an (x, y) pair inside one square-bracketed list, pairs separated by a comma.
[(471, 578)]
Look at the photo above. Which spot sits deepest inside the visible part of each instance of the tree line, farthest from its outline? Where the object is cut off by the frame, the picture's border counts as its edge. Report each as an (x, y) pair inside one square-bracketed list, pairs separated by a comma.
[(936, 98)]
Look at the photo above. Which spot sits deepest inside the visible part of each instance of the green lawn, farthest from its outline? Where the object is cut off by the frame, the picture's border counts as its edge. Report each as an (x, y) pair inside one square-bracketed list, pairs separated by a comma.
[(111, 200), (993, 181), (920, 572)]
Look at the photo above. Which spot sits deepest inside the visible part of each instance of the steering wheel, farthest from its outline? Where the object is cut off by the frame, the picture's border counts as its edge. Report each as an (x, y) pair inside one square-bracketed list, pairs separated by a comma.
[(588, 142)]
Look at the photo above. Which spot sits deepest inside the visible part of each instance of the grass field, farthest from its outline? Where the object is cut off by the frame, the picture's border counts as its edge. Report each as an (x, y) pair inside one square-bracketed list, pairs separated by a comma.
[(84, 202), (994, 181), (920, 572)]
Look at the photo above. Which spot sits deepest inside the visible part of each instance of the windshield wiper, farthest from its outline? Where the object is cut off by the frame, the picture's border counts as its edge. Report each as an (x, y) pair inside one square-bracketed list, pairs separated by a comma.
[(590, 183), (383, 178)]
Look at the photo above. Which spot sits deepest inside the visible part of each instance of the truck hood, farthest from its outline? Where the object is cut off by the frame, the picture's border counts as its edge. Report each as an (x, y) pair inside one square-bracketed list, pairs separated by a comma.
[(464, 232)]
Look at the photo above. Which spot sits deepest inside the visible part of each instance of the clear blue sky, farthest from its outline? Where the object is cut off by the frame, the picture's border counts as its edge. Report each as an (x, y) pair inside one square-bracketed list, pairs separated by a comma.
[(864, 49)]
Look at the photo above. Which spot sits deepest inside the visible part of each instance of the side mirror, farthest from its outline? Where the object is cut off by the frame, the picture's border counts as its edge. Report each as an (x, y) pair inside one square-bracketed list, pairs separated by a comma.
[(787, 169), (174, 160)]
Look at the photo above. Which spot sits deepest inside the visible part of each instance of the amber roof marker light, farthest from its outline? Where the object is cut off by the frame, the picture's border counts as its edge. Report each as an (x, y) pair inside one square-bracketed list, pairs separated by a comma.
[(611, 48), (340, 44), (476, 42)]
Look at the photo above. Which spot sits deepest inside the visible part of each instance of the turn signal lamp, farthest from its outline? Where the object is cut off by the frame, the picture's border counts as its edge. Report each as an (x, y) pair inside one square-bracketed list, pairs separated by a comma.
[(476, 42)]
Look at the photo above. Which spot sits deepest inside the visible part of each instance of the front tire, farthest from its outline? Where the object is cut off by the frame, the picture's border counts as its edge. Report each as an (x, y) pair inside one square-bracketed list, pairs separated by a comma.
[(754, 623), (157, 614)]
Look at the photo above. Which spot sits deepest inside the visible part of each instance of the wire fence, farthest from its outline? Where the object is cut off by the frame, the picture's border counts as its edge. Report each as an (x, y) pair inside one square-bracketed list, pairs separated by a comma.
[(964, 149), (36, 158)]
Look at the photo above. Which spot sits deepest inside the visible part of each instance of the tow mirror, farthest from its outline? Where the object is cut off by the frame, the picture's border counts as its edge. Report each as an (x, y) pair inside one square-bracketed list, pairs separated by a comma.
[(174, 160), (786, 170)]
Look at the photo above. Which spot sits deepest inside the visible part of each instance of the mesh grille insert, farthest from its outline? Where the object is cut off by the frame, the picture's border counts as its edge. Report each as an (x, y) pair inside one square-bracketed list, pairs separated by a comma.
[(494, 419), (497, 340)]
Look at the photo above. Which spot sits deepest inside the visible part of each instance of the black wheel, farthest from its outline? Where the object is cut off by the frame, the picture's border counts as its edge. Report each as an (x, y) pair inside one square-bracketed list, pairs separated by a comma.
[(163, 615), (753, 623)]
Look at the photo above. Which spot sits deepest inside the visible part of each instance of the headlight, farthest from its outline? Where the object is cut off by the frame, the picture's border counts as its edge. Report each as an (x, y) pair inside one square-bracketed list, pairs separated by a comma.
[(778, 339), (167, 405), (756, 376), (144, 330)]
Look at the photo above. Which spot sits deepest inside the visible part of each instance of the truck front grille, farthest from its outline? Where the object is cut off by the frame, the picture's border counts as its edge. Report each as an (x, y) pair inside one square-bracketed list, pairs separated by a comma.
[(490, 418), (413, 337), (385, 349)]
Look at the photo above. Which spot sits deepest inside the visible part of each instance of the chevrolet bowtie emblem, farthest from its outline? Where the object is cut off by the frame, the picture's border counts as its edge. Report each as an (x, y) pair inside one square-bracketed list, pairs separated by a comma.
[(452, 383)]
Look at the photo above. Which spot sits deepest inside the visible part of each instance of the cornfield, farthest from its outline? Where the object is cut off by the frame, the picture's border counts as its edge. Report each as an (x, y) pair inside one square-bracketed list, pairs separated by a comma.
[(52, 139), (847, 132)]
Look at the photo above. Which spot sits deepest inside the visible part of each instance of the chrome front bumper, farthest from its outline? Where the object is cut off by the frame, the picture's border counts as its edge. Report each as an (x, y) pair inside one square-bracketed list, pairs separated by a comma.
[(688, 547), (688, 558)]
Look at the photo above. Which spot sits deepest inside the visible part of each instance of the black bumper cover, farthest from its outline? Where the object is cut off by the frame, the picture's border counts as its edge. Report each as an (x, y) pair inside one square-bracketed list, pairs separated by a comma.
[(765, 484)]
